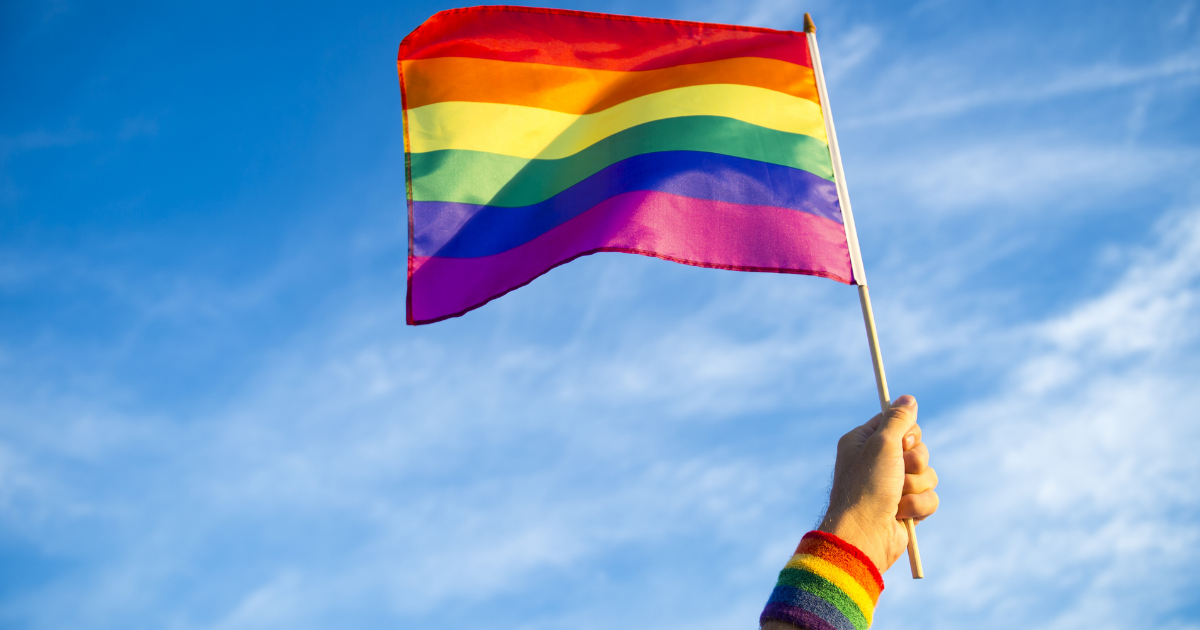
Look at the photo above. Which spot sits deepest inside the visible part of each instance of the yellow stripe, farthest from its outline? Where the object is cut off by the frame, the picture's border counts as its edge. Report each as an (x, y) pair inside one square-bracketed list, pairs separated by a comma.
[(838, 577), (530, 132)]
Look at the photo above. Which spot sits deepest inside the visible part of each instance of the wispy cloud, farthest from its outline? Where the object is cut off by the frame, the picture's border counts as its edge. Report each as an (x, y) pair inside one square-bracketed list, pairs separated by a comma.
[(137, 126), (1183, 17), (922, 99), (398, 444), (627, 442), (1073, 479), (33, 140), (842, 54), (779, 14), (14, 145), (1023, 174)]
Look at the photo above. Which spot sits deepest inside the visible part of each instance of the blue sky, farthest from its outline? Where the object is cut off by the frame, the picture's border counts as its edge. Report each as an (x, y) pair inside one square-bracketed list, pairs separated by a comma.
[(212, 415)]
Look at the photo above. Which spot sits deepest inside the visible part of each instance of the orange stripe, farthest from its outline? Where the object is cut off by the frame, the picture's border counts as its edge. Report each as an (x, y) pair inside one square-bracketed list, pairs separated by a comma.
[(844, 560), (584, 91)]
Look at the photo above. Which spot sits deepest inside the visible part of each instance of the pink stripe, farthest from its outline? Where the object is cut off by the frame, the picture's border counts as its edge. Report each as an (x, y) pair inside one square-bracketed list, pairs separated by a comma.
[(692, 231)]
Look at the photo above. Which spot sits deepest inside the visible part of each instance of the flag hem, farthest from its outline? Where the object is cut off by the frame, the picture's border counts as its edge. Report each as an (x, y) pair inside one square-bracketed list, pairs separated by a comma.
[(588, 14), (408, 194), (623, 250)]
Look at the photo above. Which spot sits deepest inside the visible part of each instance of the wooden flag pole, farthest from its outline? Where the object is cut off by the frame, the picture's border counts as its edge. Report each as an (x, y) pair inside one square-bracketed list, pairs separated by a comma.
[(885, 401), (860, 276)]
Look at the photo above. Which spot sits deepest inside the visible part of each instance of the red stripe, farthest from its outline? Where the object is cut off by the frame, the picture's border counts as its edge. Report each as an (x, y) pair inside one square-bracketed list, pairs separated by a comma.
[(843, 554), (593, 40)]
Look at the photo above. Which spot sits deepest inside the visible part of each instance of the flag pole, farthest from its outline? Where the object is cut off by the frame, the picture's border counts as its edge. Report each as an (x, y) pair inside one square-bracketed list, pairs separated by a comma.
[(860, 276)]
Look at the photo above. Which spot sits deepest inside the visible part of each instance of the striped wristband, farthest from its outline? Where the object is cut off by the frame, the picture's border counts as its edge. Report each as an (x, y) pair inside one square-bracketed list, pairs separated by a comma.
[(828, 585)]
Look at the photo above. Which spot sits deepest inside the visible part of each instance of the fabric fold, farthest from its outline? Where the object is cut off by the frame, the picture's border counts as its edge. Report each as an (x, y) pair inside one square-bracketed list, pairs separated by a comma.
[(535, 136)]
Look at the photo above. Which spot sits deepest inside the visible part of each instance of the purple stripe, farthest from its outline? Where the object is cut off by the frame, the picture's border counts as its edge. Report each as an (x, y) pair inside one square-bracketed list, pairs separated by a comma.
[(803, 619), (693, 231), (800, 598)]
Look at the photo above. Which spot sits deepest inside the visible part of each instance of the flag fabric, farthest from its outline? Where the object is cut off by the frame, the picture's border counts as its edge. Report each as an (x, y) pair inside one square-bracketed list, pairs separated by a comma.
[(536, 136)]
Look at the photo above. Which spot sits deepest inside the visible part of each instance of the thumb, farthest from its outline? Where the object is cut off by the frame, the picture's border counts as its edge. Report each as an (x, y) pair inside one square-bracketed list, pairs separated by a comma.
[(900, 417)]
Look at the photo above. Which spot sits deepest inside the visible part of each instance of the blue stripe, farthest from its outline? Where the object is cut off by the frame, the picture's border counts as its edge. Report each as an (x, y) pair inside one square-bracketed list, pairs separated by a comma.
[(460, 230), (800, 598)]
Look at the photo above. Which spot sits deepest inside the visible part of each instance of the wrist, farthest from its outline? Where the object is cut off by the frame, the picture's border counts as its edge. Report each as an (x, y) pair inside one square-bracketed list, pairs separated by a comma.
[(846, 527)]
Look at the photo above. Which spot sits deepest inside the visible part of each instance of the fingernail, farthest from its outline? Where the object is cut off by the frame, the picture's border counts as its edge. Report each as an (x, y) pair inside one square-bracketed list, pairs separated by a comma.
[(909, 440), (904, 401)]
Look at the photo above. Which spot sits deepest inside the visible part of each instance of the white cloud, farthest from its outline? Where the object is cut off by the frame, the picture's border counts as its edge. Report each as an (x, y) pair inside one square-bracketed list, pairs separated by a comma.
[(770, 13), (932, 88), (646, 452), (779, 14), (1025, 174), (33, 140), (138, 126), (1181, 18), (14, 145), (843, 53), (1074, 483), (508, 464)]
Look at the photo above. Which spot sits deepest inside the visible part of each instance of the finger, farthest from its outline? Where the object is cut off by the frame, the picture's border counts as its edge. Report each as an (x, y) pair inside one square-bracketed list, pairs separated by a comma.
[(916, 459), (913, 437), (917, 506), (918, 483), (900, 417)]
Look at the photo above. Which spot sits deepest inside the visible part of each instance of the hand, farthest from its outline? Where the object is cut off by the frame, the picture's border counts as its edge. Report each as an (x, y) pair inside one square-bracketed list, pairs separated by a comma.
[(882, 475)]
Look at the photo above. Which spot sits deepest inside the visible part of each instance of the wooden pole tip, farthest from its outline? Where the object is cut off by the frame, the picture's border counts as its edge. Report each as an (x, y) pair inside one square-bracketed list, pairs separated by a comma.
[(809, 27), (914, 552)]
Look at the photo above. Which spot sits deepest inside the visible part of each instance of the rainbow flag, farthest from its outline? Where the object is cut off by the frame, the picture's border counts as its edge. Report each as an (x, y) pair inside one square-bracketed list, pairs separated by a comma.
[(536, 136)]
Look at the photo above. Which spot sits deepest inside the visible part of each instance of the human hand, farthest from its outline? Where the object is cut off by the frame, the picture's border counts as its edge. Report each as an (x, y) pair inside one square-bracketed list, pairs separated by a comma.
[(882, 475)]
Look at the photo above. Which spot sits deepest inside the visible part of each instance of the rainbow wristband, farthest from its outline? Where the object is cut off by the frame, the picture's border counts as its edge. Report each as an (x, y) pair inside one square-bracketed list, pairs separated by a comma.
[(828, 585)]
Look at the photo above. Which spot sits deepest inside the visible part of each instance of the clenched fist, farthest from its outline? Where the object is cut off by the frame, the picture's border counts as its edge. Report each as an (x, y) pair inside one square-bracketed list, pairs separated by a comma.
[(882, 475)]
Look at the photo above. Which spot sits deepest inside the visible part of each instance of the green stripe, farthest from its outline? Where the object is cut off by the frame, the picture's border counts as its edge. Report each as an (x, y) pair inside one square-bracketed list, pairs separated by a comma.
[(502, 180), (826, 590)]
